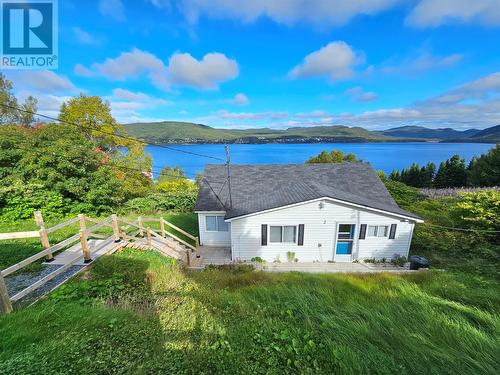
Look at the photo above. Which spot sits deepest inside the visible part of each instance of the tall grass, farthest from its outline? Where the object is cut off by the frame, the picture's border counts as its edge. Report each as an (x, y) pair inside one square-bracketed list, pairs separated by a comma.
[(137, 312)]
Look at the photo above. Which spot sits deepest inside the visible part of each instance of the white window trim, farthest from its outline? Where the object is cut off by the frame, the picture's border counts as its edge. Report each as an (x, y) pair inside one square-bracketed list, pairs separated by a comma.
[(354, 239), (216, 223), (377, 228), (282, 242)]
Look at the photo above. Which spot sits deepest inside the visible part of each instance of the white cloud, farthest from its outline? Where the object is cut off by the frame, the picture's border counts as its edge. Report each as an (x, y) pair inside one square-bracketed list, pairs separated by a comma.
[(240, 99), (41, 81), (84, 37), (421, 62), (183, 69), (81, 70), (144, 100), (113, 9), (336, 61), (206, 73), (437, 12), (288, 12), (129, 64), (475, 104), (359, 95)]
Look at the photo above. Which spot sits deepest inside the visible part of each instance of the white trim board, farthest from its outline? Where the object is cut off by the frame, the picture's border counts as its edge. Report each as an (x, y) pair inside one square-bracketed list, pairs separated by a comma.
[(332, 200)]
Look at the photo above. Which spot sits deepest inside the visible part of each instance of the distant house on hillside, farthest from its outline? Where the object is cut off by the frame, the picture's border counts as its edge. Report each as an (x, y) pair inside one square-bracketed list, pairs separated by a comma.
[(320, 212)]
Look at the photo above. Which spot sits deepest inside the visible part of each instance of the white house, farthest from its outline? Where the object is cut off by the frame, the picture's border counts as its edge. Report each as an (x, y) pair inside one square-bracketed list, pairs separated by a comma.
[(319, 212)]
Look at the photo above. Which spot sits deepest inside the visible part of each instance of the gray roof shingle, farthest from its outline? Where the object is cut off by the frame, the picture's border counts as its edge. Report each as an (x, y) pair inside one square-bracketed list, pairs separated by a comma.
[(259, 187)]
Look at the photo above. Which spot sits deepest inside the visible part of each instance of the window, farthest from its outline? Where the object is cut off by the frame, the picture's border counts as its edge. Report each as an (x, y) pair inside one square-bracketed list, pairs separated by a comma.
[(283, 234), (382, 231), (345, 239), (216, 224), (378, 230)]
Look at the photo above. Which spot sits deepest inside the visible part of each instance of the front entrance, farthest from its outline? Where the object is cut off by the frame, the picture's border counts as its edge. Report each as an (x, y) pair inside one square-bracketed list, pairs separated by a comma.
[(344, 243)]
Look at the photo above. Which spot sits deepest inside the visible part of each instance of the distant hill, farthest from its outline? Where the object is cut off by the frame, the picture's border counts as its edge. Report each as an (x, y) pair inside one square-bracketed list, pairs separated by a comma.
[(489, 135), (187, 132), (426, 133)]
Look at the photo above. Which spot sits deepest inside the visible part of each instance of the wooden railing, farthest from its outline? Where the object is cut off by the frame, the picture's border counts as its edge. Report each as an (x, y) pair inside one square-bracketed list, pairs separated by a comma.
[(166, 243), (49, 250)]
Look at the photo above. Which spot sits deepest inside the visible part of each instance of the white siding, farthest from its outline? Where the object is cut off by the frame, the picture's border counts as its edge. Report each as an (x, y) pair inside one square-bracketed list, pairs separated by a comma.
[(213, 238), (319, 234)]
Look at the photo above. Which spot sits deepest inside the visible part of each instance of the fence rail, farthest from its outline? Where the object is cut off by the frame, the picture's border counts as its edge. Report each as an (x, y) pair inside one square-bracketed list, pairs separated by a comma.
[(169, 246), (19, 235)]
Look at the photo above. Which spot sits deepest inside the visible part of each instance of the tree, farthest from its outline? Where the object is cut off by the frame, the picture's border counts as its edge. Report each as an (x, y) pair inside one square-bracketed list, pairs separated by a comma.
[(395, 175), (171, 174), (93, 117), (427, 174), (451, 173), (334, 156), (8, 112), (485, 170)]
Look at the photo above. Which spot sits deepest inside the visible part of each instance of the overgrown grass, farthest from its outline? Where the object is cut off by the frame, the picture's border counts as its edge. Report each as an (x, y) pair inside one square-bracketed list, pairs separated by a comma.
[(138, 312)]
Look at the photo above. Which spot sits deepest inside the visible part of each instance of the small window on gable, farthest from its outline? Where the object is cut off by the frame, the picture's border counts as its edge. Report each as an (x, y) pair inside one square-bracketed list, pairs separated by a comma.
[(216, 224)]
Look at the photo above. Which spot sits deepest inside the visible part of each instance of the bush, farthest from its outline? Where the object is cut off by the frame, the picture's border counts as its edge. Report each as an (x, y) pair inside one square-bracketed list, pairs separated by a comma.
[(19, 201), (182, 201), (258, 260), (404, 195), (398, 260)]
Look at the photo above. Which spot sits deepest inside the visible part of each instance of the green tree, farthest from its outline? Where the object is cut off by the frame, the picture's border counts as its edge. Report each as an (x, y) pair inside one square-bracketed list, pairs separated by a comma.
[(485, 170), (334, 156), (171, 174), (451, 173), (427, 174), (93, 117), (9, 103)]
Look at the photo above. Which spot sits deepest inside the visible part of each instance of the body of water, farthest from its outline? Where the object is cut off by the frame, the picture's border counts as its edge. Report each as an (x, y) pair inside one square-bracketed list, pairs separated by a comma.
[(382, 156)]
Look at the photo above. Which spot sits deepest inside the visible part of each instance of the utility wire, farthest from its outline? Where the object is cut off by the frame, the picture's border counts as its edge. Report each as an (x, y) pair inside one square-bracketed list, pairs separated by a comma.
[(155, 169), (110, 133)]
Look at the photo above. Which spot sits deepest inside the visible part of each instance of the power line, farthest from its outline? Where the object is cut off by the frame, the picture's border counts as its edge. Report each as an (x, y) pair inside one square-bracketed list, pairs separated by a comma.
[(110, 133), (155, 169)]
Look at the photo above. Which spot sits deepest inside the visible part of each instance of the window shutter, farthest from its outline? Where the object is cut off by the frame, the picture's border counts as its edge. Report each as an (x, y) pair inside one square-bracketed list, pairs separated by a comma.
[(300, 241), (392, 233), (362, 232), (264, 234)]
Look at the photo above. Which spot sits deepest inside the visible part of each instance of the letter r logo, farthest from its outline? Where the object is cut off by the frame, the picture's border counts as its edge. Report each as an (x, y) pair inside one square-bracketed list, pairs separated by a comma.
[(27, 27)]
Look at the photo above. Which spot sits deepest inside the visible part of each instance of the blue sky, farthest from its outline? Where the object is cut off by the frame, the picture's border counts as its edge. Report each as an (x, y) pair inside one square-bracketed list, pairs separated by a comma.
[(260, 63)]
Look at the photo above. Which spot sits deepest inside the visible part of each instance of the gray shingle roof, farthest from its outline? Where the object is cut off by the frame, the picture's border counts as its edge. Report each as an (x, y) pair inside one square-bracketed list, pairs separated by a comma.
[(260, 187)]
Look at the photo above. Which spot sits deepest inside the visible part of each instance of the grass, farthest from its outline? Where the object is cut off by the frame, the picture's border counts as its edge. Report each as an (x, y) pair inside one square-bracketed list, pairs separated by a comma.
[(138, 312)]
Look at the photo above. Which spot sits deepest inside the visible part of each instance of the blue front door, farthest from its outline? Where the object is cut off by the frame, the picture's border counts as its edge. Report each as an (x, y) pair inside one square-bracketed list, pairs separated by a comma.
[(345, 239)]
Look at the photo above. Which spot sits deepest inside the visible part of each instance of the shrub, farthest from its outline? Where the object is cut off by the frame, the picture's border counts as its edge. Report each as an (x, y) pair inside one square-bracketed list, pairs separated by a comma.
[(290, 255), (182, 201), (398, 260), (258, 260), (19, 201)]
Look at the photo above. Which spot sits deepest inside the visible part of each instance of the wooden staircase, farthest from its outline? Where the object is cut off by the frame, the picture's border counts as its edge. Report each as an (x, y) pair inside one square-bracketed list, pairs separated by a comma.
[(77, 252), (166, 243)]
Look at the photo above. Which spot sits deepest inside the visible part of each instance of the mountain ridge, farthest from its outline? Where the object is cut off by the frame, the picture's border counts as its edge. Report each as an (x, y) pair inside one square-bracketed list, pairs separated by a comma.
[(188, 132)]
